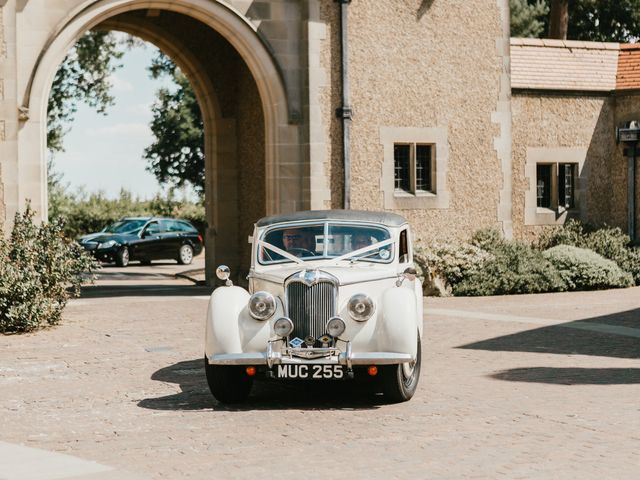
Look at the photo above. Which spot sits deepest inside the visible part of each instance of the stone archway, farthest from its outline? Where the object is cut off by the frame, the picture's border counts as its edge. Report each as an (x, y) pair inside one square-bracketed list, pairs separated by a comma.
[(232, 137)]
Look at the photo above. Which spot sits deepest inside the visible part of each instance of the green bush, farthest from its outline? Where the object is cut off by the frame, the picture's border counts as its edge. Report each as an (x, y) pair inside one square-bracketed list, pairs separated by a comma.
[(443, 266), (583, 269), (610, 242), (39, 271), (514, 267)]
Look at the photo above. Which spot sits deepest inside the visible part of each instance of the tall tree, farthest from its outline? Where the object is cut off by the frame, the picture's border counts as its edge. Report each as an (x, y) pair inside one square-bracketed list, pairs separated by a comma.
[(595, 20), (176, 157), (559, 19), (528, 19), (83, 76)]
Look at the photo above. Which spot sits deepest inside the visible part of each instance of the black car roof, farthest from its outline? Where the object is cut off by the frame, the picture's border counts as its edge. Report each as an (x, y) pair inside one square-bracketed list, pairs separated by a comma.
[(385, 218)]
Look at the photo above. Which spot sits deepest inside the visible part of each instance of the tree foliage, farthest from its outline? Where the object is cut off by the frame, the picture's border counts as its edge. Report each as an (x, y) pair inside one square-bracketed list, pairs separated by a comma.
[(593, 20), (176, 157), (528, 19), (83, 76)]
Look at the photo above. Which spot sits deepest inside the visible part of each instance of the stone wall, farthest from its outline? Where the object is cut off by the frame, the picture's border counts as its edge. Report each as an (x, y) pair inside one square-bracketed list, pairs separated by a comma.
[(417, 67), (3, 54), (557, 128), (627, 108)]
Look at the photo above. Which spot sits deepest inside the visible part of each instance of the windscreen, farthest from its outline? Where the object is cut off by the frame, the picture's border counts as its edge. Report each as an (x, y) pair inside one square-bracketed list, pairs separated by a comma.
[(325, 241), (125, 226)]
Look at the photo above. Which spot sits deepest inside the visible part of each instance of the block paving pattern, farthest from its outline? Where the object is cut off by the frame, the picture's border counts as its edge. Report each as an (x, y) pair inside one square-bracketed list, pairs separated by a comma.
[(121, 382)]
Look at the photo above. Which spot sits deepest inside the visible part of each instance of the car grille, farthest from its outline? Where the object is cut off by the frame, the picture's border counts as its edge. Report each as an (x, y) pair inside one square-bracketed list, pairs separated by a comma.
[(310, 307)]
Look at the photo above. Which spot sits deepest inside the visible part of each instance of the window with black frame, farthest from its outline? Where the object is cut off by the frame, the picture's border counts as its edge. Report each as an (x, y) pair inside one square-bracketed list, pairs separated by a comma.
[(413, 168), (556, 185)]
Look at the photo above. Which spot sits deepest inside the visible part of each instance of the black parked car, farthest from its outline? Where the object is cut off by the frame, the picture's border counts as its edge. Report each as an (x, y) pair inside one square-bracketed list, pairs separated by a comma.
[(145, 239)]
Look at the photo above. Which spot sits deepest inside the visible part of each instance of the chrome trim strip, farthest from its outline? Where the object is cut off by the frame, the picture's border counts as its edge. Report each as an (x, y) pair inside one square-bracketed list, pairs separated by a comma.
[(367, 358)]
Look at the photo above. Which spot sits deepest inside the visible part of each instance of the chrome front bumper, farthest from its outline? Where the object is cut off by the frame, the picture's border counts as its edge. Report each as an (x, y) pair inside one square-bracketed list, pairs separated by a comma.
[(319, 356)]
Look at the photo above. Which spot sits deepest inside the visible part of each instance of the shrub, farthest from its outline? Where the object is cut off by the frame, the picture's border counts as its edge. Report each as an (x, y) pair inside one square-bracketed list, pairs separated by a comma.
[(514, 267), (443, 266), (39, 271), (610, 242), (584, 269)]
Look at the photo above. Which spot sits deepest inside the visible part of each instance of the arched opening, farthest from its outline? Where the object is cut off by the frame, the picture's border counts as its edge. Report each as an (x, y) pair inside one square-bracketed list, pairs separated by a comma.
[(241, 96)]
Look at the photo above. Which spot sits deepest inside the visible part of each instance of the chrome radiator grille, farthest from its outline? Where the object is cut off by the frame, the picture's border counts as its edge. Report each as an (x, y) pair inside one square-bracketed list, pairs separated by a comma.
[(310, 307)]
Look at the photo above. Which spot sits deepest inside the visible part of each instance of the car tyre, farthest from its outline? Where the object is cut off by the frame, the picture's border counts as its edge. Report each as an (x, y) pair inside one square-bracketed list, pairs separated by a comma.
[(399, 382), (228, 384), (122, 257), (185, 255)]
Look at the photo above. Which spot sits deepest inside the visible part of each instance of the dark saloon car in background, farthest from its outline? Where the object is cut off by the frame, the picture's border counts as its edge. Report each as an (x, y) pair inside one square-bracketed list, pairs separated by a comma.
[(144, 239)]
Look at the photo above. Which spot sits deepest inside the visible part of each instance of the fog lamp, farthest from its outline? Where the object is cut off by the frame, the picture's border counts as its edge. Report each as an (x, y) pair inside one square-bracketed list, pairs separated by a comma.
[(336, 327), (283, 327), (262, 305), (223, 272)]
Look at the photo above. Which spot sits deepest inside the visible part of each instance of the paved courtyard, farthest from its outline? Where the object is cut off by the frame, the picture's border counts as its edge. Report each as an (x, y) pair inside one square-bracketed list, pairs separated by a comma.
[(531, 387)]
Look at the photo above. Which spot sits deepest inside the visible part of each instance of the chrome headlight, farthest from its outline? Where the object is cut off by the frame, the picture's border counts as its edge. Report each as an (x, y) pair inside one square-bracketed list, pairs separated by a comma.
[(361, 307), (107, 244), (262, 305)]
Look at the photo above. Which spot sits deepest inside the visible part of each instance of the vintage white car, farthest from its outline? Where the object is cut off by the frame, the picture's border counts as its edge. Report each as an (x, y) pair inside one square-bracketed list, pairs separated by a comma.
[(333, 295)]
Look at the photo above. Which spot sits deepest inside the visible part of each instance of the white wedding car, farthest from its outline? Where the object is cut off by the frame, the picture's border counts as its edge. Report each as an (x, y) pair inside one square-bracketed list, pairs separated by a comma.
[(333, 295)]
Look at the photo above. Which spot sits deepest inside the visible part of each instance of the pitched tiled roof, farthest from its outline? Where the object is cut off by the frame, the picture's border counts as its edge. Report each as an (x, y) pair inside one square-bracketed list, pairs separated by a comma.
[(628, 66), (563, 64)]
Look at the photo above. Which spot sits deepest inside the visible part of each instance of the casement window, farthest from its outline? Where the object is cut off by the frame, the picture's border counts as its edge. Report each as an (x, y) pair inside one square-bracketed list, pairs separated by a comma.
[(413, 168), (556, 185)]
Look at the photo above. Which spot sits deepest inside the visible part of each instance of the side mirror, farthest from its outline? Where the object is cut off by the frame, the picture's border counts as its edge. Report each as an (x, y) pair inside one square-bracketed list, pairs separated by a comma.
[(410, 274), (223, 273)]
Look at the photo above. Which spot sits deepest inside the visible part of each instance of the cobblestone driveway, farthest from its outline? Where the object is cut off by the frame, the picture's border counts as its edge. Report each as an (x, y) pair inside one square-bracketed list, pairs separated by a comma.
[(511, 387)]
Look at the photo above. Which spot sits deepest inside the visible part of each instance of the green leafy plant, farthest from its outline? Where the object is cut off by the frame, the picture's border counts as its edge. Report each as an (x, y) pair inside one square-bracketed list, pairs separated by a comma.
[(39, 271), (584, 269), (610, 242), (514, 268)]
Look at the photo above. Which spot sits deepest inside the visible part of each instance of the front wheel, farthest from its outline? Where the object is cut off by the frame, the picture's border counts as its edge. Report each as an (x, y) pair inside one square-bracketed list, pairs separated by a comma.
[(122, 257), (228, 384), (185, 255), (399, 382)]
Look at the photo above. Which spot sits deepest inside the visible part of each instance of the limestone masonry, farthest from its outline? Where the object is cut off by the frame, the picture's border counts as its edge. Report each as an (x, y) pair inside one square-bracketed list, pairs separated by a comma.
[(445, 119)]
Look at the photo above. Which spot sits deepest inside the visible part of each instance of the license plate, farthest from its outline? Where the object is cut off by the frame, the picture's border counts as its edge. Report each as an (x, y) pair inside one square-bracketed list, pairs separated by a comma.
[(311, 372)]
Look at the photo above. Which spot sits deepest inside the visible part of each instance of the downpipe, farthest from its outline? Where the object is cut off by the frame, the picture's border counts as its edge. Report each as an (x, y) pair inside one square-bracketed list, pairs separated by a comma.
[(345, 112)]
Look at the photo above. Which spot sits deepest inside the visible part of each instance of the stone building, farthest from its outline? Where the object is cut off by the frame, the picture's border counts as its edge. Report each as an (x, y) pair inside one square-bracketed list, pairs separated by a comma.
[(403, 105)]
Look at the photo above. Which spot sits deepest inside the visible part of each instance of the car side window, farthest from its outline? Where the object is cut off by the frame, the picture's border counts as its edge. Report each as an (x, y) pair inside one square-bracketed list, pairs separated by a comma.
[(152, 229), (404, 247)]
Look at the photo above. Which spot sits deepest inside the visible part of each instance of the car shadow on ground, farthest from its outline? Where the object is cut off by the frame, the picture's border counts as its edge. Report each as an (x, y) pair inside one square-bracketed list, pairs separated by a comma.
[(149, 290), (572, 376), (265, 395), (593, 336)]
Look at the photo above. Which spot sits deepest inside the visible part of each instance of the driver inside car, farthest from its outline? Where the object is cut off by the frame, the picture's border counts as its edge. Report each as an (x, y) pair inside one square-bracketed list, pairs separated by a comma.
[(300, 242)]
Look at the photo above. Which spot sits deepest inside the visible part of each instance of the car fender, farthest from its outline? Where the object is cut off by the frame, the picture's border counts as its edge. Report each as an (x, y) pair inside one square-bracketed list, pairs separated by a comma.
[(397, 327), (230, 328)]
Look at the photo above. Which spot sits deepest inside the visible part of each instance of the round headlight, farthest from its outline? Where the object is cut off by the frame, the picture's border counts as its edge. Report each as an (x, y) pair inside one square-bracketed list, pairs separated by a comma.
[(283, 327), (336, 327), (361, 307), (262, 305), (223, 272)]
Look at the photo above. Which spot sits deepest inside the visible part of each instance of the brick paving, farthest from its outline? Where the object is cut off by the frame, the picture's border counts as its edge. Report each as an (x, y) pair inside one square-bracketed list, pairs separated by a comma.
[(121, 383)]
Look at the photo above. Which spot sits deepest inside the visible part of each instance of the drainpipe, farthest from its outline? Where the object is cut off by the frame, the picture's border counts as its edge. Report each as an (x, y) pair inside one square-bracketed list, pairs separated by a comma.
[(344, 112), (629, 135), (631, 190)]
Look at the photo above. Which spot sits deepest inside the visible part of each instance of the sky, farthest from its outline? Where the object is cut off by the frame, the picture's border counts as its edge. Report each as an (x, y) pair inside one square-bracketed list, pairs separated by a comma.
[(104, 153)]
